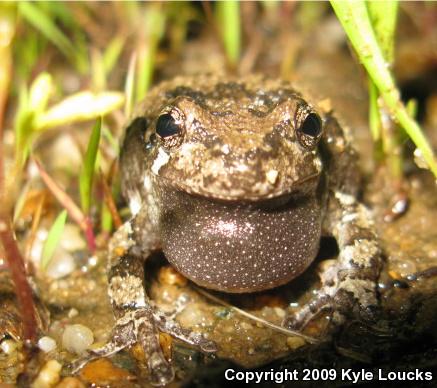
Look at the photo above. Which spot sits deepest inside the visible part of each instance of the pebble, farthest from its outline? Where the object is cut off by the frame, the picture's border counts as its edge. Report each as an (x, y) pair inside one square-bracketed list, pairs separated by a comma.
[(72, 239), (8, 346), (62, 264), (49, 375), (295, 342), (71, 382), (47, 344), (77, 338)]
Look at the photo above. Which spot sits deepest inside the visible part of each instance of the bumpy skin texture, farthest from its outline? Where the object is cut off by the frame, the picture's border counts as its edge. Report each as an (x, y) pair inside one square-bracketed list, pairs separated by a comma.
[(237, 197)]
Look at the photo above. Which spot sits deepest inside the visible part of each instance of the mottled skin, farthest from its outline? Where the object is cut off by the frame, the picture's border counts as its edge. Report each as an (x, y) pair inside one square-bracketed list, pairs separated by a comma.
[(237, 193)]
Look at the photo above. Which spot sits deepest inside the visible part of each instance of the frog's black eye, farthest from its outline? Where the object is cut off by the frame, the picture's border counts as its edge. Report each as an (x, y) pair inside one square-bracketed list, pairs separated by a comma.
[(312, 125), (166, 126), (170, 127), (309, 130)]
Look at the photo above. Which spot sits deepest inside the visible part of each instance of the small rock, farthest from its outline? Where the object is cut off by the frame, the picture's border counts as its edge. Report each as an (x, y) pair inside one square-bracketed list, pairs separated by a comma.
[(61, 264), (70, 382), (47, 344), (8, 346), (169, 276), (295, 342), (49, 375), (72, 239), (77, 338)]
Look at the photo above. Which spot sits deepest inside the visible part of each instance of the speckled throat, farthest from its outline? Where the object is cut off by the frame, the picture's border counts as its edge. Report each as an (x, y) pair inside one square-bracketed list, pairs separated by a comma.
[(239, 248)]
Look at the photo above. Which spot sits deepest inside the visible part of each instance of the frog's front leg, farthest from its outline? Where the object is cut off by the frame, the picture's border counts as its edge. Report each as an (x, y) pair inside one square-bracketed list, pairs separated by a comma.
[(349, 286), (137, 320)]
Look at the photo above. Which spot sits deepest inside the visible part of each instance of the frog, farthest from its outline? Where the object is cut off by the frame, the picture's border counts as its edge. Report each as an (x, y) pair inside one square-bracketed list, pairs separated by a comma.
[(236, 180)]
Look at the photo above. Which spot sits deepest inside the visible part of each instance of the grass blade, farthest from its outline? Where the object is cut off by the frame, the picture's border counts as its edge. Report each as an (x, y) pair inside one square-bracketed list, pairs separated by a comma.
[(53, 238), (229, 20), (112, 53), (86, 175), (42, 22), (129, 86), (383, 15), (354, 17), (154, 30)]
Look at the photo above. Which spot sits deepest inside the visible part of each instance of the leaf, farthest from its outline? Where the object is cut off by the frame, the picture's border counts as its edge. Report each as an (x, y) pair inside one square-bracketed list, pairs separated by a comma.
[(81, 106), (53, 238), (39, 93), (31, 105), (87, 172)]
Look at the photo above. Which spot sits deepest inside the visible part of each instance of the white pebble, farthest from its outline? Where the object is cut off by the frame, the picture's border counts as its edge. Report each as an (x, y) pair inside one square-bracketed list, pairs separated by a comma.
[(47, 344), (8, 346), (77, 338), (72, 313), (61, 264)]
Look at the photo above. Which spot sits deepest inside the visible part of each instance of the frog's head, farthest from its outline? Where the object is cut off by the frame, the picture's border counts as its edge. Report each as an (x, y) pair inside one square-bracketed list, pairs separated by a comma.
[(235, 144)]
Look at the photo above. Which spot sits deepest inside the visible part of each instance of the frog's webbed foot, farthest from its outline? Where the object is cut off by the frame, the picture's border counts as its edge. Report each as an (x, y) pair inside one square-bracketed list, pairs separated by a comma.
[(168, 325), (141, 326), (135, 326)]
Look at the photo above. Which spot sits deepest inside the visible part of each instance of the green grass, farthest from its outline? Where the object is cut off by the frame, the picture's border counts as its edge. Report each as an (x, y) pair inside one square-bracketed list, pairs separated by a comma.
[(360, 29), (86, 175), (53, 239), (39, 15), (154, 22), (229, 21)]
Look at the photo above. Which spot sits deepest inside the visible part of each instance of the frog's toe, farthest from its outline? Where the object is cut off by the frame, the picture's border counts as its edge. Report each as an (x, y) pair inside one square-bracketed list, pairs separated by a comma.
[(121, 337), (340, 305), (161, 372), (208, 346), (172, 327), (299, 320)]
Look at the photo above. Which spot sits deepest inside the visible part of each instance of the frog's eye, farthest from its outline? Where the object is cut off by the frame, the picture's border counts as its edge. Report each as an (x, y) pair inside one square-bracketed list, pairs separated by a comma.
[(170, 127), (309, 130), (166, 126)]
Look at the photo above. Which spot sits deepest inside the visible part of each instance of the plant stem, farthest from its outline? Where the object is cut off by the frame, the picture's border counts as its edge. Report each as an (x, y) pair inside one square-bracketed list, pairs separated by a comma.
[(13, 256)]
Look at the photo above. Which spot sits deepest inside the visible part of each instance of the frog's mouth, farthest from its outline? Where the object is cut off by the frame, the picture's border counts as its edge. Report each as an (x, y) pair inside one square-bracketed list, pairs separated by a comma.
[(240, 191)]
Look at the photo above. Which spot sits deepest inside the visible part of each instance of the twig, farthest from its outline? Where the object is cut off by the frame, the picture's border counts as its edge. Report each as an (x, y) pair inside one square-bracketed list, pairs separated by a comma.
[(272, 326), (109, 201), (18, 272), (73, 210)]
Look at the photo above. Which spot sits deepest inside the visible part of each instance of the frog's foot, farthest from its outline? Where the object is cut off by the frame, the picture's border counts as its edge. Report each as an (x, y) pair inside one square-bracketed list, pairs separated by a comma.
[(173, 328), (135, 326), (141, 326), (346, 295)]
